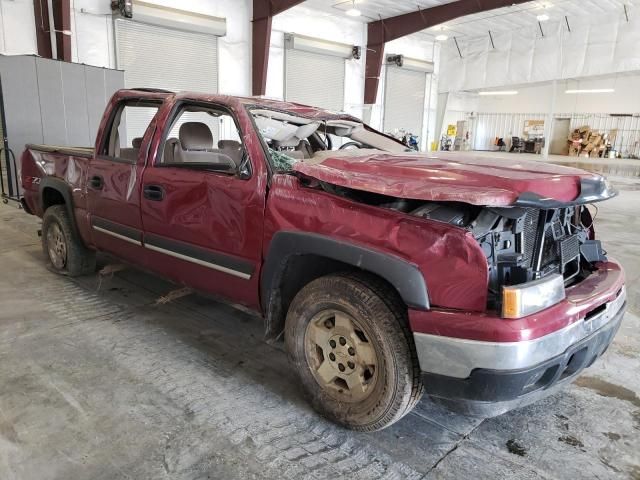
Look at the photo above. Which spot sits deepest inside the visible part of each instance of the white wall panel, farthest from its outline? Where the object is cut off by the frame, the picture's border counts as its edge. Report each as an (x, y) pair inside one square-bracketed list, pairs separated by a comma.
[(314, 79), (497, 58), (591, 48), (160, 57), (322, 25), (275, 73), (475, 55), (17, 27), (404, 105), (94, 36), (487, 126), (598, 59), (627, 48), (453, 68), (546, 54), (574, 50), (419, 47), (520, 58)]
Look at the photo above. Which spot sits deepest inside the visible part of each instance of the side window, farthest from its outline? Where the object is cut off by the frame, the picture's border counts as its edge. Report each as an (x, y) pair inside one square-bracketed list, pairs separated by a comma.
[(205, 138), (128, 126)]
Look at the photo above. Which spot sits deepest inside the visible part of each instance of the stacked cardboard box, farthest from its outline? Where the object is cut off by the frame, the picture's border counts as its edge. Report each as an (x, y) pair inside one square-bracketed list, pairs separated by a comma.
[(585, 142)]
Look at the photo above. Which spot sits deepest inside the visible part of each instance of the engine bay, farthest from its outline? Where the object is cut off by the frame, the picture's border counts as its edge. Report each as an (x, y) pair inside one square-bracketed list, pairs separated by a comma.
[(521, 244)]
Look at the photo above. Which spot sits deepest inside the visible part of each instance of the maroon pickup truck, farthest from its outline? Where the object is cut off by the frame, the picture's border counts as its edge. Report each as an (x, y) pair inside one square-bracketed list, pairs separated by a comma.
[(389, 272)]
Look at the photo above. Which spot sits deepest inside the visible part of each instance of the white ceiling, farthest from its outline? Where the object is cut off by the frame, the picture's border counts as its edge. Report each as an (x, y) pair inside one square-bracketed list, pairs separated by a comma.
[(507, 18)]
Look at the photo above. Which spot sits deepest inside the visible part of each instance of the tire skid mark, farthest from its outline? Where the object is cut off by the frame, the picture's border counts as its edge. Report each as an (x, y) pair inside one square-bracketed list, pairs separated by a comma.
[(217, 396)]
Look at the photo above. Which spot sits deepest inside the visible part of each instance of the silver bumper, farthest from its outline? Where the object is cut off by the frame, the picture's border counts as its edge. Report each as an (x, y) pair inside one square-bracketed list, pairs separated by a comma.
[(456, 357)]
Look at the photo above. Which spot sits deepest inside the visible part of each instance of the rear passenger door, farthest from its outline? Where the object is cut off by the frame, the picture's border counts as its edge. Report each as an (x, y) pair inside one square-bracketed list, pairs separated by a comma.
[(202, 206), (115, 175)]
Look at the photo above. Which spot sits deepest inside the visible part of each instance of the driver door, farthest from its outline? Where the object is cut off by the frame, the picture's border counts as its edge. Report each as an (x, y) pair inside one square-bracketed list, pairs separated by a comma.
[(202, 208)]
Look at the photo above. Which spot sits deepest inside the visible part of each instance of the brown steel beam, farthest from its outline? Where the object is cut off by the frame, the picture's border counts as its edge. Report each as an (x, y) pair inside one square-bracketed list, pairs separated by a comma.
[(62, 19), (385, 30), (43, 39), (263, 12)]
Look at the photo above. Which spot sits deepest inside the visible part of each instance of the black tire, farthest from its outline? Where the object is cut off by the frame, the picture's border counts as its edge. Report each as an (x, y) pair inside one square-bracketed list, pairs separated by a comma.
[(377, 311), (65, 252)]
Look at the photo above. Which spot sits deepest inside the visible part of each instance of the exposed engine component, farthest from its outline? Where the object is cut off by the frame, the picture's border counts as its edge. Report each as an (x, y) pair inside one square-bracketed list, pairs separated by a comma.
[(455, 214), (521, 244), (524, 244)]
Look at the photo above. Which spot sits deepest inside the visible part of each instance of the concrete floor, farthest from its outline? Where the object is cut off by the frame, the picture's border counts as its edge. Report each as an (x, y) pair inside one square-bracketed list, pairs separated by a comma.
[(97, 381)]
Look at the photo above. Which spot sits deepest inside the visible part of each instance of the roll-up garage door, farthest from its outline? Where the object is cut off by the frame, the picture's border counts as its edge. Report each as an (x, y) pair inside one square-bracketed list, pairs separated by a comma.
[(159, 57), (404, 95), (314, 79)]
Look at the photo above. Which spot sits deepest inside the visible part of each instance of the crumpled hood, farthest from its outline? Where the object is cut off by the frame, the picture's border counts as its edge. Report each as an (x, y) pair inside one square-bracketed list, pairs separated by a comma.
[(449, 177)]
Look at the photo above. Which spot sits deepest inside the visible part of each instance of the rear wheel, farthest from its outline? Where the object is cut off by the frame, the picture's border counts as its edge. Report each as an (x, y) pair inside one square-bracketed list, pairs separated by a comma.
[(348, 339), (62, 247)]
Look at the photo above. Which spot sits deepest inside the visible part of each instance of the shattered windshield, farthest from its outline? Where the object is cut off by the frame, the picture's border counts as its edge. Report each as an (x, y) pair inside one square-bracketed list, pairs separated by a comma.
[(281, 161), (292, 138)]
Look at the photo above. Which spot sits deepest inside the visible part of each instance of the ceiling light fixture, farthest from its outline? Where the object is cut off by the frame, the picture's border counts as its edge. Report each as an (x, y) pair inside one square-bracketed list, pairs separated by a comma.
[(353, 11), (441, 37), (499, 92), (542, 18), (591, 90)]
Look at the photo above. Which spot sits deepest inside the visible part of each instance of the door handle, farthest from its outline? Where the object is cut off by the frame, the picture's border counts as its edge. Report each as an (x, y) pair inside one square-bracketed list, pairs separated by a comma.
[(96, 182), (153, 192)]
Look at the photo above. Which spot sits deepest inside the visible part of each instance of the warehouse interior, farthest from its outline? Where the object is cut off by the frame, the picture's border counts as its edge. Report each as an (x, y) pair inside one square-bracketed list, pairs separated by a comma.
[(123, 374)]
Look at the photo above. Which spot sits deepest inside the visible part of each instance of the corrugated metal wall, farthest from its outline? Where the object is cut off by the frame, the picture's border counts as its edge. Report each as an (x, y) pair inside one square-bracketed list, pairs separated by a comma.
[(53, 102), (314, 79), (627, 139), (485, 127), (404, 93)]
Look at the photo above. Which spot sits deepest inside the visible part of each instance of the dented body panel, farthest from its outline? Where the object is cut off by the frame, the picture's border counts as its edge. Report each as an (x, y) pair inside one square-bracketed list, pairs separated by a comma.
[(449, 177), (451, 261)]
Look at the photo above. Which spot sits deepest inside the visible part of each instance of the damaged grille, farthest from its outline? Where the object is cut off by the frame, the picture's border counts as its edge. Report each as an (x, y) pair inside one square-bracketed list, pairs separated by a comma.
[(550, 247), (527, 244), (559, 247), (569, 250), (529, 231)]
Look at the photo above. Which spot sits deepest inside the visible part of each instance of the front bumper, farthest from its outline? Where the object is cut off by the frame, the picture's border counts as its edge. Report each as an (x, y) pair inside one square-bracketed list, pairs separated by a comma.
[(488, 378), (488, 393)]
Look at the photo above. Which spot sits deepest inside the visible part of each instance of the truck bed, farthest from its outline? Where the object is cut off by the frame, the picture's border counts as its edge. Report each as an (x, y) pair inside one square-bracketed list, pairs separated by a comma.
[(76, 151)]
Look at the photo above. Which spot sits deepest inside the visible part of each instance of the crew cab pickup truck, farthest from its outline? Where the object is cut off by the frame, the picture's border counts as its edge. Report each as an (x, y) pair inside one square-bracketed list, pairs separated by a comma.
[(389, 272)]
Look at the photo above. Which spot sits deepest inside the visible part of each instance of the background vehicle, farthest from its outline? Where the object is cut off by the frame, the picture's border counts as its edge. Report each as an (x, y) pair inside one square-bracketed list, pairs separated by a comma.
[(389, 272)]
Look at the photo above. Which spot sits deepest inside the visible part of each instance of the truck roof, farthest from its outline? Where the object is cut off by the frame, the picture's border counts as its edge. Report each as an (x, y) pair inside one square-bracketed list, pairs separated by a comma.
[(295, 108)]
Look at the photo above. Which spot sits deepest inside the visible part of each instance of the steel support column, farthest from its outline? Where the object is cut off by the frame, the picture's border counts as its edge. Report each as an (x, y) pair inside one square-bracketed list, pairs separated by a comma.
[(43, 40), (62, 17), (385, 30), (263, 12)]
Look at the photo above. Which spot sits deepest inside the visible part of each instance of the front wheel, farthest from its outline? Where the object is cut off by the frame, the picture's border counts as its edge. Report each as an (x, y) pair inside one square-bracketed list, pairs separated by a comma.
[(61, 245), (348, 339)]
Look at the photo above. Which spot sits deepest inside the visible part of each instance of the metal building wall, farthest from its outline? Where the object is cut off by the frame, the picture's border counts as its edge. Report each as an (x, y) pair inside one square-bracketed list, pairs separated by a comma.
[(627, 139), (314, 79), (53, 102), (485, 127)]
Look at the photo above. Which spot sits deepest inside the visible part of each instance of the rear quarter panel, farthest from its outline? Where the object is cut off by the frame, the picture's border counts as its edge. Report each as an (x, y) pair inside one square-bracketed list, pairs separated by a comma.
[(37, 165)]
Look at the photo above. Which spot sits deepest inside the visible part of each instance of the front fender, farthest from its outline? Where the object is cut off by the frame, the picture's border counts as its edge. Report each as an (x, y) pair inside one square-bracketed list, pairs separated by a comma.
[(405, 277)]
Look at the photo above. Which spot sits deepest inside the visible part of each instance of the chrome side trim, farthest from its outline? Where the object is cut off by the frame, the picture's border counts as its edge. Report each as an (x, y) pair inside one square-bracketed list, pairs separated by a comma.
[(457, 357), (197, 261), (117, 235)]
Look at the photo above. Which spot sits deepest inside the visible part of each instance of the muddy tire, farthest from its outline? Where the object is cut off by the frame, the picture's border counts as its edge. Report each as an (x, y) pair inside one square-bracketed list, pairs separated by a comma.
[(347, 336), (63, 250)]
